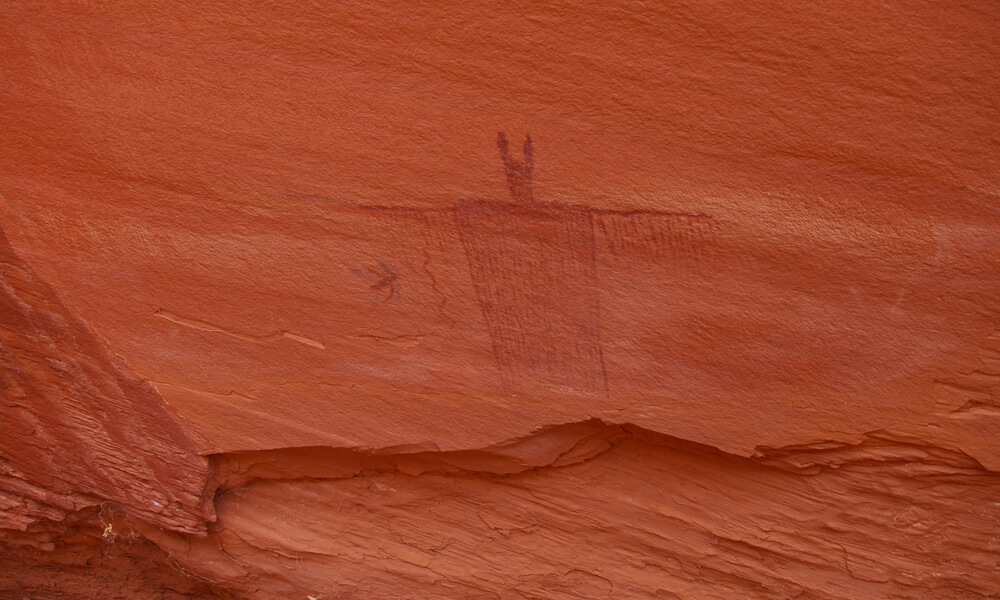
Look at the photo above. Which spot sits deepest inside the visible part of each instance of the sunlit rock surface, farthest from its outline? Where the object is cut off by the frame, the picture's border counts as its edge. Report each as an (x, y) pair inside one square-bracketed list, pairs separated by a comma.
[(500, 301)]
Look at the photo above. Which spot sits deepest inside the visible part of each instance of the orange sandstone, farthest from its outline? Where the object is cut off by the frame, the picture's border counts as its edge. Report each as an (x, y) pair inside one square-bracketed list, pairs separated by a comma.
[(284, 316)]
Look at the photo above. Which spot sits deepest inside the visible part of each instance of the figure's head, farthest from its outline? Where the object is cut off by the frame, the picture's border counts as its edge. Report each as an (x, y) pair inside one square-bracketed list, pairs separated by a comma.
[(518, 173)]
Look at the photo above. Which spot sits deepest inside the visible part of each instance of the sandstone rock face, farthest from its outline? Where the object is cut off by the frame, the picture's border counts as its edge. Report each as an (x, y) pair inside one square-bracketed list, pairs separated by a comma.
[(291, 306)]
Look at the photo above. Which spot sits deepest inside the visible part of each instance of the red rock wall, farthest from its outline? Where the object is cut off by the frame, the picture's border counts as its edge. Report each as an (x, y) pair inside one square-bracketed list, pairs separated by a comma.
[(282, 315)]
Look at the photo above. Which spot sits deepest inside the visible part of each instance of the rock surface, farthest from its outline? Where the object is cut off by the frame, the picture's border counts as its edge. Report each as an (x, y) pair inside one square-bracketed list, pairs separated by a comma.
[(283, 316)]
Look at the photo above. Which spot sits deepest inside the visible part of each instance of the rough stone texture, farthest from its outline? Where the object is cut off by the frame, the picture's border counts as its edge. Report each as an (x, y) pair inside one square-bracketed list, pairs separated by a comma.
[(78, 427), (283, 316)]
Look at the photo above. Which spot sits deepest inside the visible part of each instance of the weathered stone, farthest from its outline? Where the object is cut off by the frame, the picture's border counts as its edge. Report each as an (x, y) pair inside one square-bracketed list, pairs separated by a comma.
[(291, 304)]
